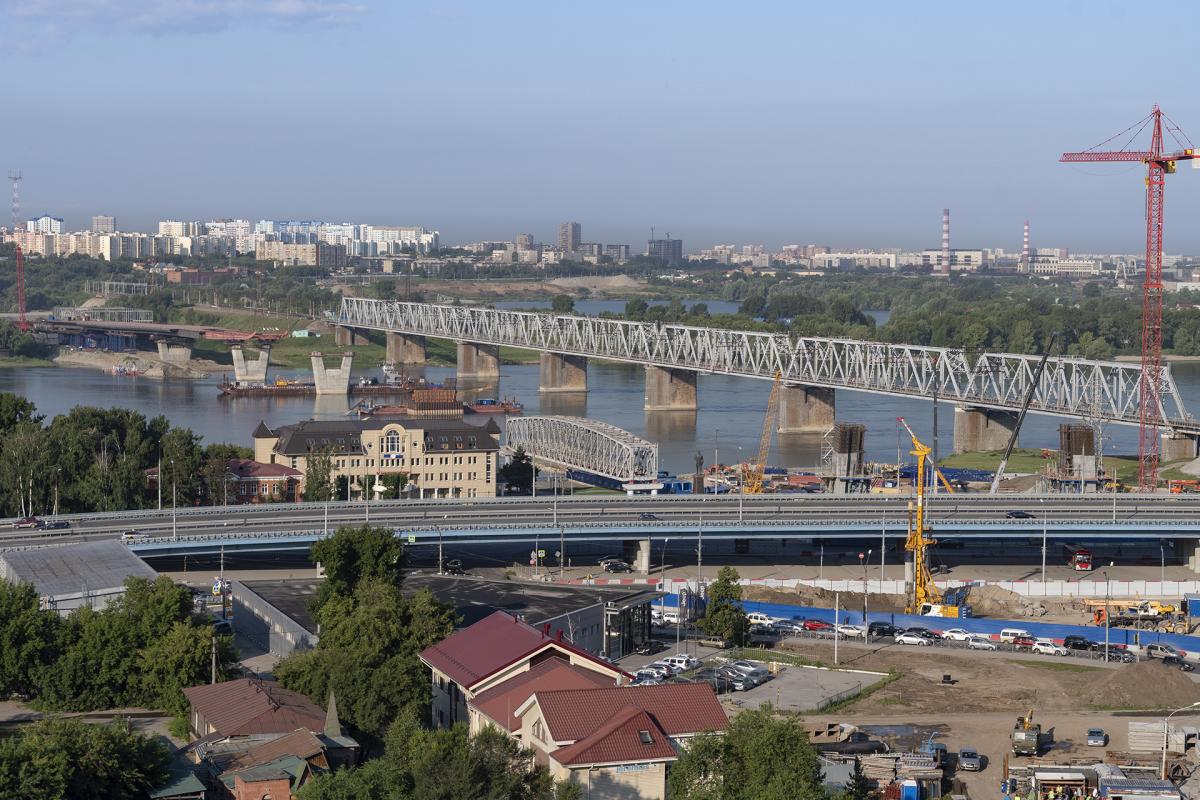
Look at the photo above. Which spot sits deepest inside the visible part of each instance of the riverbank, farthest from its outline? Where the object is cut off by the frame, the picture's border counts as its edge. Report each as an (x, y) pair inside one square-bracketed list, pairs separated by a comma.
[(141, 364)]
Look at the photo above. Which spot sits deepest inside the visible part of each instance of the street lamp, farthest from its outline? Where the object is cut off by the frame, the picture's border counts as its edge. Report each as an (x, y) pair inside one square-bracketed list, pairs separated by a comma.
[(863, 558), (1042, 500), (1166, 720), (174, 527)]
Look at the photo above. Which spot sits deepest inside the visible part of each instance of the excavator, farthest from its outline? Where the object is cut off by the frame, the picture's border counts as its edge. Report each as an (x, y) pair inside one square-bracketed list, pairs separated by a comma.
[(926, 599)]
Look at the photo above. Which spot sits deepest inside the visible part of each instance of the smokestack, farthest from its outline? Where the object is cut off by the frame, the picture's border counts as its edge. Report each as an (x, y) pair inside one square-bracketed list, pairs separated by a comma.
[(1025, 247), (945, 241)]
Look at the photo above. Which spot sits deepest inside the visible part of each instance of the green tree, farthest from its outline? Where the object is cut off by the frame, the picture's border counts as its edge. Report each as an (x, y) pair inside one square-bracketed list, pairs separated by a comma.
[(71, 759), (759, 757), (518, 473), (318, 476), (562, 304), (354, 555), (723, 615), (181, 458), (216, 480), (178, 659), (28, 638), (15, 409), (22, 463), (859, 787), (636, 308)]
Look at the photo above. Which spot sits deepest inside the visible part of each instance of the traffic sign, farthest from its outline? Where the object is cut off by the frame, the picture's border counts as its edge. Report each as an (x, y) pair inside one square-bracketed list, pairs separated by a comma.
[(412, 538), (541, 554), (216, 586)]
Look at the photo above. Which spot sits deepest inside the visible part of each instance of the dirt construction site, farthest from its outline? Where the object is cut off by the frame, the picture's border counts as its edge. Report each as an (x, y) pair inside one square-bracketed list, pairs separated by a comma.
[(988, 691)]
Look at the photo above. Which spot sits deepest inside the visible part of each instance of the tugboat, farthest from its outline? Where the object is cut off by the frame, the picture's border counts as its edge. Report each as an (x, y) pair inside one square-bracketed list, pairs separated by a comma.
[(509, 405)]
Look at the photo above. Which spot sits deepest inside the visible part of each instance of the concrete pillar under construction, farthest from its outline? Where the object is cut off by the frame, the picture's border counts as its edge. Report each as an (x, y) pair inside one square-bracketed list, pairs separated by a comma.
[(405, 348), (250, 371), (1178, 447), (562, 373), (805, 409), (477, 360), (670, 389), (344, 336), (982, 429), (330, 380), (177, 354)]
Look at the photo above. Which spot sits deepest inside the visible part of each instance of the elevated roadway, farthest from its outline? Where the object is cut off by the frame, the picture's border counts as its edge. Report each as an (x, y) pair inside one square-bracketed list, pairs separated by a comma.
[(610, 518)]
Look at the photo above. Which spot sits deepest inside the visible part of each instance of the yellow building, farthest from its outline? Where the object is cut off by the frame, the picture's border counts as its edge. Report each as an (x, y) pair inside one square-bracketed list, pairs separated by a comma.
[(440, 457)]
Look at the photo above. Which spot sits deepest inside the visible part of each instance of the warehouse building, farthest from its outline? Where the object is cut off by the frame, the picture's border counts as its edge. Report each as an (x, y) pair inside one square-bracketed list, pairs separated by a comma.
[(75, 575)]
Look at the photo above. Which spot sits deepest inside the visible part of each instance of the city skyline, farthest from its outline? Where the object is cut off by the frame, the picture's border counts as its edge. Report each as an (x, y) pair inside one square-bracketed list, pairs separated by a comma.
[(771, 125)]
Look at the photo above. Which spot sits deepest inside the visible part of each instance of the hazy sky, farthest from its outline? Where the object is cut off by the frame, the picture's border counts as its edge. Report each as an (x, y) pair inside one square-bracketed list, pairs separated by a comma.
[(838, 123)]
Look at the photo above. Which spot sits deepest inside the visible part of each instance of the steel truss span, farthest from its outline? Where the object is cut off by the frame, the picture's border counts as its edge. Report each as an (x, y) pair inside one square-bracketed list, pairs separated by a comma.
[(584, 444), (1095, 390)]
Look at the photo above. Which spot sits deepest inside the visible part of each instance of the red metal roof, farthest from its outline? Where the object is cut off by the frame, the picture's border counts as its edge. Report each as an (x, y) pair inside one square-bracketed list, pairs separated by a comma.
[(249, 469), (246, 705), (572, 715), (495, 642), (500, 703), (620, 741)]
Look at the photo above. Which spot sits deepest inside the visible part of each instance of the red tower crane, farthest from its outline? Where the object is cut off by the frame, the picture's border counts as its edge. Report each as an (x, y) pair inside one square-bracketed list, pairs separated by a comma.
[(1158, 165)]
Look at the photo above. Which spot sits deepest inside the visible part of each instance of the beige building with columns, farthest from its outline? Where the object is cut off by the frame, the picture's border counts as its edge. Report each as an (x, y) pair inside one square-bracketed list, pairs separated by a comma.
[(440, 457)]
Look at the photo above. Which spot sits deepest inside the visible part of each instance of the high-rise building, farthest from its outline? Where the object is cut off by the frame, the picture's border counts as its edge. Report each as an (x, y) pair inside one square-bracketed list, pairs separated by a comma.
[(104, 224), (569, 236), (524, 241), (45, 224), (668, 251)]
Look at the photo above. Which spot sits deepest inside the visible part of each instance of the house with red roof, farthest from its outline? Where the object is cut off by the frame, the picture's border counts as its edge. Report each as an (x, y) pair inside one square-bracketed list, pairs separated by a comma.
[(494, 650)]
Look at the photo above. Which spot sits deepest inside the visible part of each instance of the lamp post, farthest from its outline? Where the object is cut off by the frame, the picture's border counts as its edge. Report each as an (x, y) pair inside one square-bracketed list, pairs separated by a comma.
[(863, 558), (741, 483), (57, 475), (1104, 572), (1166, 720), (1043, 502), (174, 527)]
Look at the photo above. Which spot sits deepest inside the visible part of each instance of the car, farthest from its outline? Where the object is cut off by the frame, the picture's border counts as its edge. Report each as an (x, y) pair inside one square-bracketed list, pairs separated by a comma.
[(785, 627), (851, 631), (1022, 642), (956, 635), (1075, 642), (720, 683), (650, 647), (763, 630), (607, 559), (906, 637), (617, 566), (1096, 737), (1019, 514), (969, 759), (920, 630), (645, 516), (744, 665), (681, 662), (738, 681), (453, 566), (131, 534), (663, 670), (27, 522), (222, 627), (645, 680), (980, 643), (1158, 650), (881, 629), (758, 618), (54, 525), (1118, 654), (816, 625), (1180, 662), (1048, 648)]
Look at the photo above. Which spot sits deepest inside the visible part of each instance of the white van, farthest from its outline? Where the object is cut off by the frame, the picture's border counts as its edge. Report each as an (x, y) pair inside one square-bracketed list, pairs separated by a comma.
[(670, 616), (758, 618), (1008, 634)]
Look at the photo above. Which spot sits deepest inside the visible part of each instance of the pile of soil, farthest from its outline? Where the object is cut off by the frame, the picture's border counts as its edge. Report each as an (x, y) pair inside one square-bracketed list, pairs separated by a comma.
[(992, 601), (823, 598), (1146, 684)]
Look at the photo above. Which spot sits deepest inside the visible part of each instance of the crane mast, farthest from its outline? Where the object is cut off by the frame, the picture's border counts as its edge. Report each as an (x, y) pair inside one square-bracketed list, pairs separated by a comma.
[(752, 474), (924, 591)]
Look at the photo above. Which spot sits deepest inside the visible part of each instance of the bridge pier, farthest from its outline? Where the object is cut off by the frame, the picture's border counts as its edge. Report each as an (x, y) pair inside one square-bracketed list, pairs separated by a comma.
[(477, 360), (175, 353), (1177, 447), (345, 336), (805, 409), (330, 380), (637, 552), (1188, 550), (669, 389), (562, 373), (253, 371), (405, 348), (982, 429)]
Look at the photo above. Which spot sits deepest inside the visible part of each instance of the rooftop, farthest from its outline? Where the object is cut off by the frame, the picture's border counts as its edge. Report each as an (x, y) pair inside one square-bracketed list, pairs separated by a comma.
[(247, 706), (500, 703), (630, 735), (74, 568), (345, 435), (680, 709)]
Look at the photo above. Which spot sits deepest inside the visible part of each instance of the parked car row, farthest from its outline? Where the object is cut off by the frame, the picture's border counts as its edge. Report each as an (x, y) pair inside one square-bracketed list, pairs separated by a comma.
[(42, 524)]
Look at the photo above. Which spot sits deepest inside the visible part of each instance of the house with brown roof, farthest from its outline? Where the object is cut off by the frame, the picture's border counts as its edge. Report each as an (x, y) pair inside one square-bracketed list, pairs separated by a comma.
[(248, 706), (617, 742), (500, 647)]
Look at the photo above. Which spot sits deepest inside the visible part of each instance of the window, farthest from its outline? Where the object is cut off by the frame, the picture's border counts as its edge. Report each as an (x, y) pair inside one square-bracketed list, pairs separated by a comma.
[(539, 730), (392, 442), (645, 737)]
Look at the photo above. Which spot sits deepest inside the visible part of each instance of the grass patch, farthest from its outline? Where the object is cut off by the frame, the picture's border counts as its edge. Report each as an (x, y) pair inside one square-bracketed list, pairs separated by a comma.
[(1053, 666), (866, 692), (1030, 460)]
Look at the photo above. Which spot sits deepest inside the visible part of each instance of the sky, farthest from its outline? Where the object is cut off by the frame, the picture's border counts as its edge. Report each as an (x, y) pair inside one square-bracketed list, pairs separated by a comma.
[(847, 124)]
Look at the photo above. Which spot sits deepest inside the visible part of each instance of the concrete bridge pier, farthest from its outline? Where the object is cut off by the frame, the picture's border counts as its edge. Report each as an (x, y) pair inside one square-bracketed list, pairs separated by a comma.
[(405, 348), (979, 429), (344, 336), (562, 373), (477, 360), (329, 380), (1178, 446), (806, 409), (174, 352), (1188, 551), (637, 551), (252, 371), (669, 389)]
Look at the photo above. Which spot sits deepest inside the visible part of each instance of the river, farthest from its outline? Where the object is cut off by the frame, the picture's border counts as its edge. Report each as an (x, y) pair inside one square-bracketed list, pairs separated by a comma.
[(730, 415)]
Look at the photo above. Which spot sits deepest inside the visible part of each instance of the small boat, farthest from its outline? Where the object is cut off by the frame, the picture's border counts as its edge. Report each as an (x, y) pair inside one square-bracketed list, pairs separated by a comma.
[(491, 406)]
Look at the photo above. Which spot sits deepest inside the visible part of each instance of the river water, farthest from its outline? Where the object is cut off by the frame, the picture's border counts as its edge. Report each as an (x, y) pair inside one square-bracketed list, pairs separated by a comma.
[(730, 415)]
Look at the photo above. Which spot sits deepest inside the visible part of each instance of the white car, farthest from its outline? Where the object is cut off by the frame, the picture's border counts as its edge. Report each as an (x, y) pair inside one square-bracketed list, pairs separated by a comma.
[(758, 618), (681, 662), (1048, 648), (956, 635), (980, 643), (912, 638), (851, 630)]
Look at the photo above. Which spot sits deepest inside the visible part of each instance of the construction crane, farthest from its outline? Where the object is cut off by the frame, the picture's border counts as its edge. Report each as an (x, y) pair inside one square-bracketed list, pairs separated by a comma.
[(1012, 437), (15, 177), (1159, 164), (752, 473), (925, 595)]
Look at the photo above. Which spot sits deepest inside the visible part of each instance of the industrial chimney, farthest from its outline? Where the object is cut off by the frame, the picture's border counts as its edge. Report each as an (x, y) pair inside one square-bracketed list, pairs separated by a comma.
[(945, 241)]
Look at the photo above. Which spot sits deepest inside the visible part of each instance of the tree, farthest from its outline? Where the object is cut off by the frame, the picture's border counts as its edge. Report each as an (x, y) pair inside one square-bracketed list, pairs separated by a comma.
[(318, 476), (723, 616), (859, 787), (179, 659), (72, 759), (562, 304), (354, 555), (15, 409), (28, 638), (759, 757), (216, 480), (181, 465), (518, 473)]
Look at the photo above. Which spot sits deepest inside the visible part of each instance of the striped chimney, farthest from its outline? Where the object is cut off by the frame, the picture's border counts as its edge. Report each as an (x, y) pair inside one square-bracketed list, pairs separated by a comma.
[(945, 241)]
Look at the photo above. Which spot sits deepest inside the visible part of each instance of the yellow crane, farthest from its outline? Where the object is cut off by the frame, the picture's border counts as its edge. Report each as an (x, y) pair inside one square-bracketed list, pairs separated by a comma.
[(925, 592), (752, 473)]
